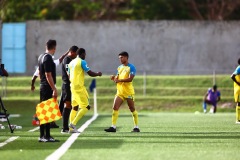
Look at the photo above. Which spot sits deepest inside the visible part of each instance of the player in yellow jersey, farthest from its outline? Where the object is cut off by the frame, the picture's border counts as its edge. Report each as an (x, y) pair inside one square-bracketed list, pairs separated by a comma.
[(236, 78), (125, 91), (80, 98)]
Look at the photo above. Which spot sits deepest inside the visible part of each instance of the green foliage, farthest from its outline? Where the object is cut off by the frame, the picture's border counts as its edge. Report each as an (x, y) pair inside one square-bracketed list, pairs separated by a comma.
[(18, 11), (160, 9)]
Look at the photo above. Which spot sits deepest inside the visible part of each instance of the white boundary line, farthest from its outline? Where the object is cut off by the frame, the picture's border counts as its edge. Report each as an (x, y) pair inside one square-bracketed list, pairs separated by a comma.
[(65, 146), (8, 141), (34, 129)]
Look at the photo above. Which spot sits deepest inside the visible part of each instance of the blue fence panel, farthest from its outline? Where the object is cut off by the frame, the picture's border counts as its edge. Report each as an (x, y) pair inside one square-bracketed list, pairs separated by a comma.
[(14, 47)]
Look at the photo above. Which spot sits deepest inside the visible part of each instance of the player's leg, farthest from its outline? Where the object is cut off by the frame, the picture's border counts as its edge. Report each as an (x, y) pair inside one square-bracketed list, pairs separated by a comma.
[(204, 105), (130, 102), (83, 101), (66, 113), (116, 105), (238, 113), (61, 102), (66, 97)]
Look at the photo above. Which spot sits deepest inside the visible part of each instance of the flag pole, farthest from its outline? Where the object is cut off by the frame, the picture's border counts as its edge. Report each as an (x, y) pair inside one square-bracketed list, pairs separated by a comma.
[(95, 101)]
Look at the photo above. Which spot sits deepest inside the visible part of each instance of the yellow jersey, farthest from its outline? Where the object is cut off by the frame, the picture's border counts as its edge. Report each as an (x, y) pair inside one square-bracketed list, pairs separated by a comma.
[(76, 69), (123, 72)]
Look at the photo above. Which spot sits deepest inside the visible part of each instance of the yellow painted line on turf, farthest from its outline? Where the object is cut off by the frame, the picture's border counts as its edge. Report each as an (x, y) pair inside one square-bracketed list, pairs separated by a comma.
[(34, 129), (65, 146), (8, 141)]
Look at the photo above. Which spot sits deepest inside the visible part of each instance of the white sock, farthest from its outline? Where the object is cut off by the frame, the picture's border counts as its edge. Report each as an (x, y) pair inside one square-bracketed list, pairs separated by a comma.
[(113, 126)]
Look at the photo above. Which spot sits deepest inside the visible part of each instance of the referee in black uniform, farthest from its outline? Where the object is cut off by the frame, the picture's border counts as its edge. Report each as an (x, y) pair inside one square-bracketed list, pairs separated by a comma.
[(47, 72), (66, 92)]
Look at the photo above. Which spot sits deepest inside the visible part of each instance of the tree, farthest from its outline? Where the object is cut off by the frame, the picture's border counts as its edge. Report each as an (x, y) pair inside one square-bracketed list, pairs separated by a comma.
[(22, 10), (214, 9)]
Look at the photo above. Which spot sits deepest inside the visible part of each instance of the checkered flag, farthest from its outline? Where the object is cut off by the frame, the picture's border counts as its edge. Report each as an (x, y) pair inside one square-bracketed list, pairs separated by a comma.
[(48, 111)]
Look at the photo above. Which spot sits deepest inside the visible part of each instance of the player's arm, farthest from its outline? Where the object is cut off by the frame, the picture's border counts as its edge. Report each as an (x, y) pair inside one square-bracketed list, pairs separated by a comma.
[(63, 56), (94, 74), (113, 77), (51, 83), (233, 76), (89, 72), (219, 96), (47, 66), (34, 77), (129, 79)]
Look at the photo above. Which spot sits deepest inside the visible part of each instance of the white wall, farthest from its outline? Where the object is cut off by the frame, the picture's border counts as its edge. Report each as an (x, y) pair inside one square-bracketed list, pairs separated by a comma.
[(157, 47)]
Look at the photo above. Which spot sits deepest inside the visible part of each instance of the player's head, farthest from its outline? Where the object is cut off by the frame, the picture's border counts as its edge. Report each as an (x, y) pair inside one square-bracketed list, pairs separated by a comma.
[(125, 54), (51, 46), (123, 57), (214, 87), (239, 61), (81, 53), (73, 51)]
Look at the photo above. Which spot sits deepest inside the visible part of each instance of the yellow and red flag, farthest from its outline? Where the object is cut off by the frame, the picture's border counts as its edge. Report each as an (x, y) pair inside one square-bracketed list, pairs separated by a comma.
[(48, 111)]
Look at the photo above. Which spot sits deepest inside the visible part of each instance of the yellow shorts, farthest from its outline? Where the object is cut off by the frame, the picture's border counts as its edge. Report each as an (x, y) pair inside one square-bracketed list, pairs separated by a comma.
[(124, 97), (80, 98)]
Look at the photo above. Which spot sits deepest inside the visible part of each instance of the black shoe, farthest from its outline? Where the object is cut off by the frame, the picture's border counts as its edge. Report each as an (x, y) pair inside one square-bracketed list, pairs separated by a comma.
[(42, 139), (51, 139), (53, 125), (65, 131), (110, 129), (136, 130)]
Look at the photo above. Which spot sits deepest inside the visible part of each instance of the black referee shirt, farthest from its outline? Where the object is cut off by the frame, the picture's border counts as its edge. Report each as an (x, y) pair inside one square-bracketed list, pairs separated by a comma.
[(46, 64), (65, 63)]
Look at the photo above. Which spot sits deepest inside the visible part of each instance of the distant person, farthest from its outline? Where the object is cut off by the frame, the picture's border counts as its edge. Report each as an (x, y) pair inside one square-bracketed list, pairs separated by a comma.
[(125, 91), (212, 97), (236, 79), (80, 97), (3, 71), (47, 73), (66, 92)]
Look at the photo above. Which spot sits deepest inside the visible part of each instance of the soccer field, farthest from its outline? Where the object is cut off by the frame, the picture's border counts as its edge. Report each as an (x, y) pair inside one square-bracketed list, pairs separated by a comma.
[(163, 136)]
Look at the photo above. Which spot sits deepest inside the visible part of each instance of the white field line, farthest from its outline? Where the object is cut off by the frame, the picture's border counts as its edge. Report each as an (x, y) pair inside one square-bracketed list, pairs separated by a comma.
[(65, 146), (34, 129), (8, 141)]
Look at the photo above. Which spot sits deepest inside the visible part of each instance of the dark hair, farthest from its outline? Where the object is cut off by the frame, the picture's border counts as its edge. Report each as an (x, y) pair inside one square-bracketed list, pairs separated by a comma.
[(80, 51), (51, 44), (214, 86), (239, 61), (73, 49), (125, 54)]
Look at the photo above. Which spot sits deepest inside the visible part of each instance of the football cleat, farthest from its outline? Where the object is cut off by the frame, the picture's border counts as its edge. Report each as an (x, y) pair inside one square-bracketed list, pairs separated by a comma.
[(42, 139), (51, 139), (110, 129), (136, 130), (64, 131)]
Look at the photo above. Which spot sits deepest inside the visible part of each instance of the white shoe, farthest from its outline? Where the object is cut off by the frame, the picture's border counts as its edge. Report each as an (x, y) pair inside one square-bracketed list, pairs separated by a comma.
[(72, 126), (73, 129), (237, 122)]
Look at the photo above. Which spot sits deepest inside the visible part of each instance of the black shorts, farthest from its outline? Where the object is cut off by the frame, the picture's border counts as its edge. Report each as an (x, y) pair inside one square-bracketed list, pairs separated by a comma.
[(66, 93), (45, 92)]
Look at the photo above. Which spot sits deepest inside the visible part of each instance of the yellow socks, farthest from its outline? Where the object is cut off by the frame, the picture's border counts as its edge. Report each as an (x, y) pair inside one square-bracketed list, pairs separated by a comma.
[(237, 113), (135, 118), (72, 115), (114, 117), (80, 114)]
